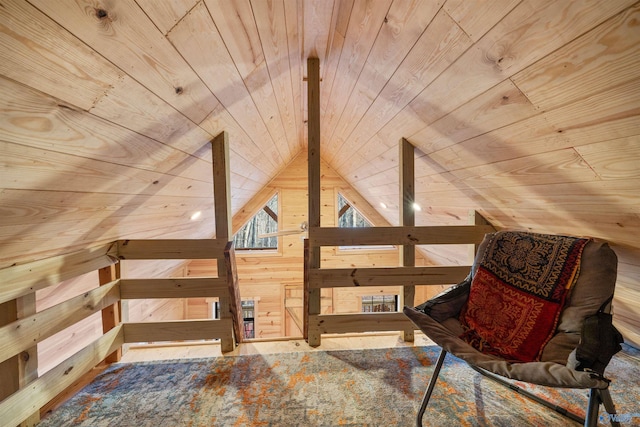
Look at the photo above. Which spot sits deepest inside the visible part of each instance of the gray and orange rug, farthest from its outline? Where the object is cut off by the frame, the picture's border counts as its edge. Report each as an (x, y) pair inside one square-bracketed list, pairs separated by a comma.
[(380, 387)]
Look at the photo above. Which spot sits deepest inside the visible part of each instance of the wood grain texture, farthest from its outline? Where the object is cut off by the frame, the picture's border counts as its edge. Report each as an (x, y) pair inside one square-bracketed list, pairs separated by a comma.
[(122, 33), (526, 111)]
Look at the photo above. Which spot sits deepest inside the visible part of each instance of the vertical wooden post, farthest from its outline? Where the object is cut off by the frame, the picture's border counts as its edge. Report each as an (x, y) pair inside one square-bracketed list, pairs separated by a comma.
[(475, 218), (222, 210), (305, 292), (111, 316), (313, 125), (234, 292), (22, 368), (407, 218)]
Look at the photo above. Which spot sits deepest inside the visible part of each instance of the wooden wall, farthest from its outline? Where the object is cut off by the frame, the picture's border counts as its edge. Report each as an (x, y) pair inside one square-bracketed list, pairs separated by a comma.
[(270, 277), (526, 110)]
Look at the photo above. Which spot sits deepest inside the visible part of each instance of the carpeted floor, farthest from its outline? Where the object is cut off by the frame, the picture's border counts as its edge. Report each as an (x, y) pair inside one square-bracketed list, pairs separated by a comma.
[(379, 387)]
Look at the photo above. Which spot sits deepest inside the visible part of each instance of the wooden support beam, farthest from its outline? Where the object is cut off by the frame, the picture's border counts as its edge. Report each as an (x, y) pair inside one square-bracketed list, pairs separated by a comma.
[(178, 287), (221, 186), (28, 400), (9, 371), (406, 161), (28, 358), (305, 292), (475, 218), (178, 330), (366, 322), (233, 290), (111, 315), (387, 276), (313, 127), (24, 279), (171, 249), (416, 235), (222, 210)]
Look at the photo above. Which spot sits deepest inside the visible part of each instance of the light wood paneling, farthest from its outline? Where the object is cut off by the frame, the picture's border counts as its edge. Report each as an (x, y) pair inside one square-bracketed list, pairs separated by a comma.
[(526, 111), (124, 34)]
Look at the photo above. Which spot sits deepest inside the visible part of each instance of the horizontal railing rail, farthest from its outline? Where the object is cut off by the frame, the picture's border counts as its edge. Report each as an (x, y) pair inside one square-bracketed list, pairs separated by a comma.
[(20, 335), (317, 278)]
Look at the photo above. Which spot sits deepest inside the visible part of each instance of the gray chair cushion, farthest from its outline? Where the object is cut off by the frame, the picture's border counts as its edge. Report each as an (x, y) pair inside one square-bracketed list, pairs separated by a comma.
[(595, 284)]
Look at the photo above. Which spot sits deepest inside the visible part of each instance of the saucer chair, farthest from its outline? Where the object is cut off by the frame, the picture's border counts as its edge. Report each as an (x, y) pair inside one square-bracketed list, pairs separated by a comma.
[(535, 308)]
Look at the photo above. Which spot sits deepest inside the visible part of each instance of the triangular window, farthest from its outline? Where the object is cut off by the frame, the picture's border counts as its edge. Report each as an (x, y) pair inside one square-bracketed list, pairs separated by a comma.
[(348, 216), (258, 232)]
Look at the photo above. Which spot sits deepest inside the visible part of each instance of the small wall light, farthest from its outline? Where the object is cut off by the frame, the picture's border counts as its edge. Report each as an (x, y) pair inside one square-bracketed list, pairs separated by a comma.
[(196, 215)]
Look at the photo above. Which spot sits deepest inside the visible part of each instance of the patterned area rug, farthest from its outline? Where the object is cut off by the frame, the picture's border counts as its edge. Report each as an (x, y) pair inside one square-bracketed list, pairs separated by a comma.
[(380, 387)]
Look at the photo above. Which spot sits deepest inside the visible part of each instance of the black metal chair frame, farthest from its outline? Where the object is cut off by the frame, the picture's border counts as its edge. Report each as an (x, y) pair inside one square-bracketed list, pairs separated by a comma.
[(596, 397)]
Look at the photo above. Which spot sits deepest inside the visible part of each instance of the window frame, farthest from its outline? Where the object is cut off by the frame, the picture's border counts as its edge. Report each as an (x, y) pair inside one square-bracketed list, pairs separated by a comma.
[(263, 252), (361, 248)]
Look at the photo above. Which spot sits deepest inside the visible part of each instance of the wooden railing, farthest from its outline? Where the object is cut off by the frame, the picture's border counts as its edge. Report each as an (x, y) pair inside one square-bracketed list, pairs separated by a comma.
[(23, 393), (22, 334), (317, 278)]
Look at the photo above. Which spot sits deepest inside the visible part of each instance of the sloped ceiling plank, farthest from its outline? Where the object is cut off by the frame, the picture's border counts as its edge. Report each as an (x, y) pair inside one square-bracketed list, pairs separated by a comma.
[(406, 123), (237, 27), (553, 167), (33, 119), (476, 17), (166, 13), (339, 23), (609, 114), (241, 145), (197, 33), (500, 106), (402, 27), (438, 47), (600, 198), (39, 53), (608, 164), (133, 106), (295, 24), (602, 58), (318, 16), (122, 33), (528, 33), (606, 115), (364, 24), (145, 212), (55, 171), (272, 27), (29, 207)]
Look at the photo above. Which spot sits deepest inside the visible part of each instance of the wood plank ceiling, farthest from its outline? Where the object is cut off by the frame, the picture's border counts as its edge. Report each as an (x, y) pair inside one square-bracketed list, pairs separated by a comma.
[(526, 110)]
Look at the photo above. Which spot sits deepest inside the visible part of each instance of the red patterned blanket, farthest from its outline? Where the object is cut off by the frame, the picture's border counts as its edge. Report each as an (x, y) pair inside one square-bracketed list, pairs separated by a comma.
[(518, 293)]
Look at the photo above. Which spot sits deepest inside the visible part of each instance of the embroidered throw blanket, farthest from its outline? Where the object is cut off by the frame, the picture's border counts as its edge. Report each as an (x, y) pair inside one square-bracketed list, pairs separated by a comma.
[(518, 293)]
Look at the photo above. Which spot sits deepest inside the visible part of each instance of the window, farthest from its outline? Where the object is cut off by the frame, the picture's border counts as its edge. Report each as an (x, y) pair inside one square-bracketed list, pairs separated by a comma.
[(379, 303), (265, 222), (348, 216), (248, 317)]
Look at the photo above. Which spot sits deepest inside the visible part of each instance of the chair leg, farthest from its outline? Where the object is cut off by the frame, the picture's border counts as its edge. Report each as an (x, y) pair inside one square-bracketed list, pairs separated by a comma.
[(430, 387), (605, 397)]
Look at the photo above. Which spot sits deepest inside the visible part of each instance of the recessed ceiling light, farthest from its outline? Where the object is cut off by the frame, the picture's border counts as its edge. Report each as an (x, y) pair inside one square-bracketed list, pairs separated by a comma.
[(196, 215), (416, 207), (383, 206)]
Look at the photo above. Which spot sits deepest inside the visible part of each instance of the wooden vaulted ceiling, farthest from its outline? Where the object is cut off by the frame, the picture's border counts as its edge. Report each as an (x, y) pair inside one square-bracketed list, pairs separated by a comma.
[(525, 110)]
